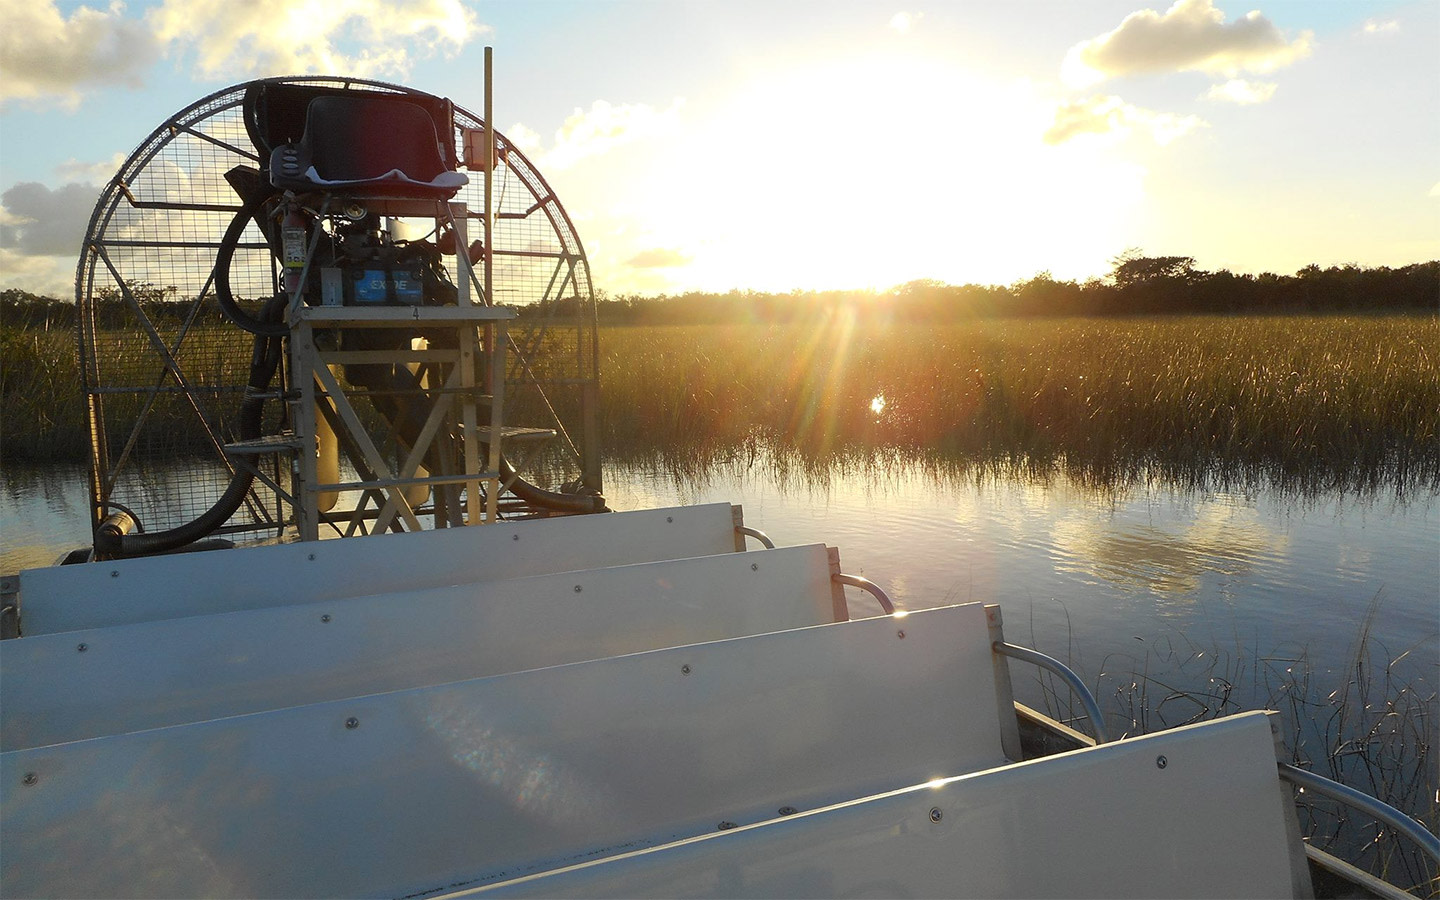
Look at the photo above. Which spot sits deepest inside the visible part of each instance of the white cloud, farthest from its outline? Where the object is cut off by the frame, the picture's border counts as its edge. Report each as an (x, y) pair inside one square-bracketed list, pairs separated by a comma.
[(1113, 118), (43, 54), (904, 21), (292, 37), (38, 221), (73, 170), (49, 276), (40, 234), (1376, 26), (1238, 90), (1192, 35), (601, 129), (524, 139)]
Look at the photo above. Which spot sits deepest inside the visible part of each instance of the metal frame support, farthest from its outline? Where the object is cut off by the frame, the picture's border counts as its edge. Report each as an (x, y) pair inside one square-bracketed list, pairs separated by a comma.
[(313, 378), (1004, 692)]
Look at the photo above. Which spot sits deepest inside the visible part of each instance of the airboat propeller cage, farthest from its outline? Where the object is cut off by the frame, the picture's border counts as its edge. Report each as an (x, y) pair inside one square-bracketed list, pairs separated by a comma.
[(254, 277)]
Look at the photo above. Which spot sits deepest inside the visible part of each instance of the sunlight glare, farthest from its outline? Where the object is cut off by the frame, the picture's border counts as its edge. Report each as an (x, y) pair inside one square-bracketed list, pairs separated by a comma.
[(872, 171)]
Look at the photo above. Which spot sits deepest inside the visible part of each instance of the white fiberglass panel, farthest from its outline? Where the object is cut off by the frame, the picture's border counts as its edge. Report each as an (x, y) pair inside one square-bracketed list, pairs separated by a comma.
[(426, 790), (1194, 812), (174, 671), (90, 595)]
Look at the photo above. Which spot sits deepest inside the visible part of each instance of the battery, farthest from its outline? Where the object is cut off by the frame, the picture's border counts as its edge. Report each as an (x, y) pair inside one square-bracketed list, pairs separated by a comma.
[(409, 287), (370, 286)]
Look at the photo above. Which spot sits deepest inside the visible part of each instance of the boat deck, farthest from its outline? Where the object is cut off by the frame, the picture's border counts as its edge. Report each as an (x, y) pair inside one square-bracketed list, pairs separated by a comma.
[(620, 705)]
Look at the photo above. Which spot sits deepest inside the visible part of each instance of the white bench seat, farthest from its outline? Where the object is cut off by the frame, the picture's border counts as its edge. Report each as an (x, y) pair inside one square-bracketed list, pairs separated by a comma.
[(416, 792), (174, 671), (1107, 821), (92, 595)]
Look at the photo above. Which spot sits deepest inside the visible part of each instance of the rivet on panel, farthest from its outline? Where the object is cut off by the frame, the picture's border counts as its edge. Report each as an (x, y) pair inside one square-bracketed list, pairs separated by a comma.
[(578, 589), (669, 518), (900, 635), (514, 537), (726, 826), (81, 648), (311, 557), (30, 778), (685, 669), (1161, 762), (935, 814), (352, 722), (754, 567), (325, 618), (114, 573), (788, 810)]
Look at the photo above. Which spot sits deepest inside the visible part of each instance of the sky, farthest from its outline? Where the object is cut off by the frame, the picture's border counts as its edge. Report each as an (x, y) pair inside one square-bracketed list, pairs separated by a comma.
[(785, 145)]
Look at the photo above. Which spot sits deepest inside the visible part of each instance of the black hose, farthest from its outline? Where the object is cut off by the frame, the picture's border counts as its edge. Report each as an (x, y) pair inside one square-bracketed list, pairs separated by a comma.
[(264, 360), (570, 503), (265, 325)]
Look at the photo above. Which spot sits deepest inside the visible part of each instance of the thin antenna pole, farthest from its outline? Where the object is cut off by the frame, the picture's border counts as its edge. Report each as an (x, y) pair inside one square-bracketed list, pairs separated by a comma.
[(494, 333), (489, 171)]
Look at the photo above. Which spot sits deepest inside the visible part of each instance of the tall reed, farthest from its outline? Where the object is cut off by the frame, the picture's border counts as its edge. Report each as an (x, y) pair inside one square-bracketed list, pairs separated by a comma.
[(1340, 402), (1311, 402)]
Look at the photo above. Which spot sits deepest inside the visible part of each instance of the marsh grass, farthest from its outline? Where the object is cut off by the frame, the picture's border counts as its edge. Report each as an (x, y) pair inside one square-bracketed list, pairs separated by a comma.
[(1304, 403), (1324, 403), (44, 406), (1363, 724)]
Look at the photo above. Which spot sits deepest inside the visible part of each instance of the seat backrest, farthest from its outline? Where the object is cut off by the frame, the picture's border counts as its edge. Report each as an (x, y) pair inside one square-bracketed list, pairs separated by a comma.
[(1194, 812), (276, 112), (353, 138), (416, 792), (92, 595), (176, 671)]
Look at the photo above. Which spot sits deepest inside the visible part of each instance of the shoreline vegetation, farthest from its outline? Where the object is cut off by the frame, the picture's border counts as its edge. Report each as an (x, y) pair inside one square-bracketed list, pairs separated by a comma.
[(1137, 286), (1297, 403), (1327, 379), (1302, 402)]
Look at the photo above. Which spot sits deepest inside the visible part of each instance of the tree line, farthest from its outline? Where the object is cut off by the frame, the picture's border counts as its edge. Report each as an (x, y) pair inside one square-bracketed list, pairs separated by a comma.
[(1137, 285)]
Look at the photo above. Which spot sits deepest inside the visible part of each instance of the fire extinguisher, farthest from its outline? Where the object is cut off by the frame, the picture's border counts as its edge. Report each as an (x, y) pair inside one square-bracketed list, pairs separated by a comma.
[(292, 246)]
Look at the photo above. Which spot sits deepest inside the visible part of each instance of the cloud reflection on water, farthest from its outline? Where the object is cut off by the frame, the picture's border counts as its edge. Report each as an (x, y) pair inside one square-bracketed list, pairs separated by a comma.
[(1171, 557)]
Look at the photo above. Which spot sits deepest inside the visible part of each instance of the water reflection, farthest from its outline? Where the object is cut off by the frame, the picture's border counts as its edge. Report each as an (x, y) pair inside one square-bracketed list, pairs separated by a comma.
[(44, 513), (1225, 537)]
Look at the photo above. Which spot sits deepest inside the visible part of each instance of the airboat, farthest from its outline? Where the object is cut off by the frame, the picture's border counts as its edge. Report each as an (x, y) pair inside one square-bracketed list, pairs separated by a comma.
[(382, 636)]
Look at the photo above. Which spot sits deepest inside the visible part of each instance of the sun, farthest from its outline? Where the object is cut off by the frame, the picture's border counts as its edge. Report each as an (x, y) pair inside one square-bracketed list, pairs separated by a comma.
[(875, 170)]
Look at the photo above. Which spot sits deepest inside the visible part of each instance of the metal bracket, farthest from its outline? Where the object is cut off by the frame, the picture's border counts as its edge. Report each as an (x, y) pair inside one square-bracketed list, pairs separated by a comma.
[(1087, 699), (757, 534), (1358, 800), (870, 587)]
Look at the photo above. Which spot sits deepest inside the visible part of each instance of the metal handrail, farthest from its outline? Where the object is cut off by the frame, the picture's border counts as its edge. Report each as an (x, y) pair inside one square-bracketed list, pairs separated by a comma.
[(866, 584), (1087, 699), (757, 534), (1359, 800)]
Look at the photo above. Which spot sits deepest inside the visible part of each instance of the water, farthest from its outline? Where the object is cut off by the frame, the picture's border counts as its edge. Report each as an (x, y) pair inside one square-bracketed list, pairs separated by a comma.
[(1100, 579), (1097, 578)]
